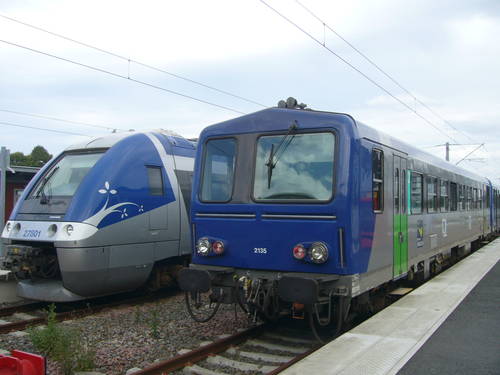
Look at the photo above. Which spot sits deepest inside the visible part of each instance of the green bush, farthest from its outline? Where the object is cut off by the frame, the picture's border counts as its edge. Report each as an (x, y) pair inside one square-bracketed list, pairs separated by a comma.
[(63, 344)]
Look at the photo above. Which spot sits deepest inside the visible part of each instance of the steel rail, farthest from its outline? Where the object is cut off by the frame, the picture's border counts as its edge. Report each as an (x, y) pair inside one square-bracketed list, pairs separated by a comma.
[(203, 352)]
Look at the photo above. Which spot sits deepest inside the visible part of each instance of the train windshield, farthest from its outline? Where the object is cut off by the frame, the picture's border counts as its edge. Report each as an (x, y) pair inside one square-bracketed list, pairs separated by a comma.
[(218, 170), (298, 167), (65, 176)]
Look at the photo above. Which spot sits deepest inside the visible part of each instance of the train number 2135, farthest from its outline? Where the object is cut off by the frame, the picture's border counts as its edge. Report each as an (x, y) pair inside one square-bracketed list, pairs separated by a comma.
[(260, 250)]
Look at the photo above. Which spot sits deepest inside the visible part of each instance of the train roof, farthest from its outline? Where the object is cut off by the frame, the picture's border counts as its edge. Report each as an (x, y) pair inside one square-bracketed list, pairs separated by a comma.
[(362, 130), (111, 139), (375, 135)]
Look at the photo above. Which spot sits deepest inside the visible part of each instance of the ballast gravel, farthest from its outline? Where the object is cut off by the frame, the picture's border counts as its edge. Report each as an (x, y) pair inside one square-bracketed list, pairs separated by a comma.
[(137, 336)]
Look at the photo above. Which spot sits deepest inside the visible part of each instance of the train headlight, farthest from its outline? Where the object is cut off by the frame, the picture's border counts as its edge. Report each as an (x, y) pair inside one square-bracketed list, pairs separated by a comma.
[(17, 228), (218, 247), (52, 230), (8, 227), (69, 229), (203, 246), (299, 252), (319, 252)]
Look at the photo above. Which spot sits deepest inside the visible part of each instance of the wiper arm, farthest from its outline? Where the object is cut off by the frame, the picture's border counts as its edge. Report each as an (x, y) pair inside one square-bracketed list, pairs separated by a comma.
[(270, 166), (41, 191), (282, 146)]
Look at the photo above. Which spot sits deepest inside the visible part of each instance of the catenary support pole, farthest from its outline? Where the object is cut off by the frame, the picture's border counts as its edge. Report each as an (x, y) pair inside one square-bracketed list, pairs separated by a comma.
[(4, 163)]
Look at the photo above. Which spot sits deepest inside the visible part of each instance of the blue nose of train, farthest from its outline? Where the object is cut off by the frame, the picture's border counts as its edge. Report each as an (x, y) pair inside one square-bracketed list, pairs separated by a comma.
[(265, 240)]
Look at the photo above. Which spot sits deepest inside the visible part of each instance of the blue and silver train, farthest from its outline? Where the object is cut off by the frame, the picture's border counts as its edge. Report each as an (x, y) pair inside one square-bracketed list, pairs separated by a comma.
[(307, 212), (105, 216)]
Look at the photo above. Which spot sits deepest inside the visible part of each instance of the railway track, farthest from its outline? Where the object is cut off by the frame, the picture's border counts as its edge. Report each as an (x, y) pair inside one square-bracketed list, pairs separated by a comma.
[(18, 318), (261, 349)]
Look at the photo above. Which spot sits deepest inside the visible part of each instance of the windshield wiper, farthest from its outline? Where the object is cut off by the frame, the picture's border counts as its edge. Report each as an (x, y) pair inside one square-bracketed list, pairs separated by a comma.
[(41, 192), (270, 166), (282, 146)]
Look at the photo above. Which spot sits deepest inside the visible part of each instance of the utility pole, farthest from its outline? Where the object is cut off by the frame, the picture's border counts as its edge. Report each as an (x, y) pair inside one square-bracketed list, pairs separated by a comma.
[(4, 165), (447, 151)]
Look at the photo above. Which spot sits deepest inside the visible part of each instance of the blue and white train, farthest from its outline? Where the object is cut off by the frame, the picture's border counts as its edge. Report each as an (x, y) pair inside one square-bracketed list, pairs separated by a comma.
[(307, 212), (103, 217)]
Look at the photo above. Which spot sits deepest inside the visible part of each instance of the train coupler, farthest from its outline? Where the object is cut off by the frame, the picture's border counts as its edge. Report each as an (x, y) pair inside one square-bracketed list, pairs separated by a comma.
[(298, 311)]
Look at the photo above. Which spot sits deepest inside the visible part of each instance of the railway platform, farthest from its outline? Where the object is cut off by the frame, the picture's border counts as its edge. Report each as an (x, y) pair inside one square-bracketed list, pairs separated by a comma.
[(449, 325)]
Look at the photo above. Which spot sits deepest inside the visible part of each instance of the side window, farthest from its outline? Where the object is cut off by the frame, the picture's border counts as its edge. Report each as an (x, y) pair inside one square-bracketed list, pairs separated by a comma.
[(453, 196), (416, 193), (155, 180), (461, 197), (444, 199), (378, 180), (432, 196), (469, 198)]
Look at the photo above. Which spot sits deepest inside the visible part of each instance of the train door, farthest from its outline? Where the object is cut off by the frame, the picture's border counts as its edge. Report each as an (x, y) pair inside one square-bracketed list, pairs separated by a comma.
[(400, 216)]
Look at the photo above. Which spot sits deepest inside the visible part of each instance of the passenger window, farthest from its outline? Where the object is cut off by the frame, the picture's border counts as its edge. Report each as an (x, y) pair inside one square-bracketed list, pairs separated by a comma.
[(432, 197), (416, 193), (378, 180), (461, 197), (469, 198), (453, 196), (155, 180), (444, 201)]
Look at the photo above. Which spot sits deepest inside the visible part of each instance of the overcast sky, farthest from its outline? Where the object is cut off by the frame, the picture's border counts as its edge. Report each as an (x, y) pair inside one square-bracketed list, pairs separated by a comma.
[(446, 53)]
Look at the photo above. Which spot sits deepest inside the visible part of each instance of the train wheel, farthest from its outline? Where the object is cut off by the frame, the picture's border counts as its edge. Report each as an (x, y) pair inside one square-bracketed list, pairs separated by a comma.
[(202, 306)]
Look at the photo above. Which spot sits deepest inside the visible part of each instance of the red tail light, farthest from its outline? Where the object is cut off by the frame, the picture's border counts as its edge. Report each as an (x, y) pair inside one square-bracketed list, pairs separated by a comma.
[(218, 247), (299, 252)]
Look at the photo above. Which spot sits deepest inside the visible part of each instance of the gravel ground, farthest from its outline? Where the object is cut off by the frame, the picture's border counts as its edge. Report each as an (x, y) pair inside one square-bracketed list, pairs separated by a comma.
[(123, 337)]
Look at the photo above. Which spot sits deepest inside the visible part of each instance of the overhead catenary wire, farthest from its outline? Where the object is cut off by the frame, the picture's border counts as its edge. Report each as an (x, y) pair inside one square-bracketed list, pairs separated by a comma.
[(59, 119), (43, 129), (128, 60), (376, 66), (470, 153), (357, 70), (122, 77)]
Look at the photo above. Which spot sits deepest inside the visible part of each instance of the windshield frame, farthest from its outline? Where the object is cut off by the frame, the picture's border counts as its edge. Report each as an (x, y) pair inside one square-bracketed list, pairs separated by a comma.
[(297, 133)]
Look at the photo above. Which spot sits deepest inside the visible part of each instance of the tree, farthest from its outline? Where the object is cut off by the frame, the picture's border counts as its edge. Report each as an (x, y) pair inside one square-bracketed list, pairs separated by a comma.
[(18, 158), (38, 157)]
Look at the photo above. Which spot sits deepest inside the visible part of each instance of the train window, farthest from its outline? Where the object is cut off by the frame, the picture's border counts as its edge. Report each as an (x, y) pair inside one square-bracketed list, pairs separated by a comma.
[(480, 198), (432, 194), (155, 180), (416, 183), (64, 178), (444, 200), (475, 203), (469, 198), (461, 197), (218, 170), (378, 180), (453, 196), (298, 168), (487, 197)]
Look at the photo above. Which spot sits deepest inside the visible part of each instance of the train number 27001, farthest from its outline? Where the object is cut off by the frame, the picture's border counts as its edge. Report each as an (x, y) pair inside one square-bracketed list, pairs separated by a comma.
[(31, 233), (260, 250)]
